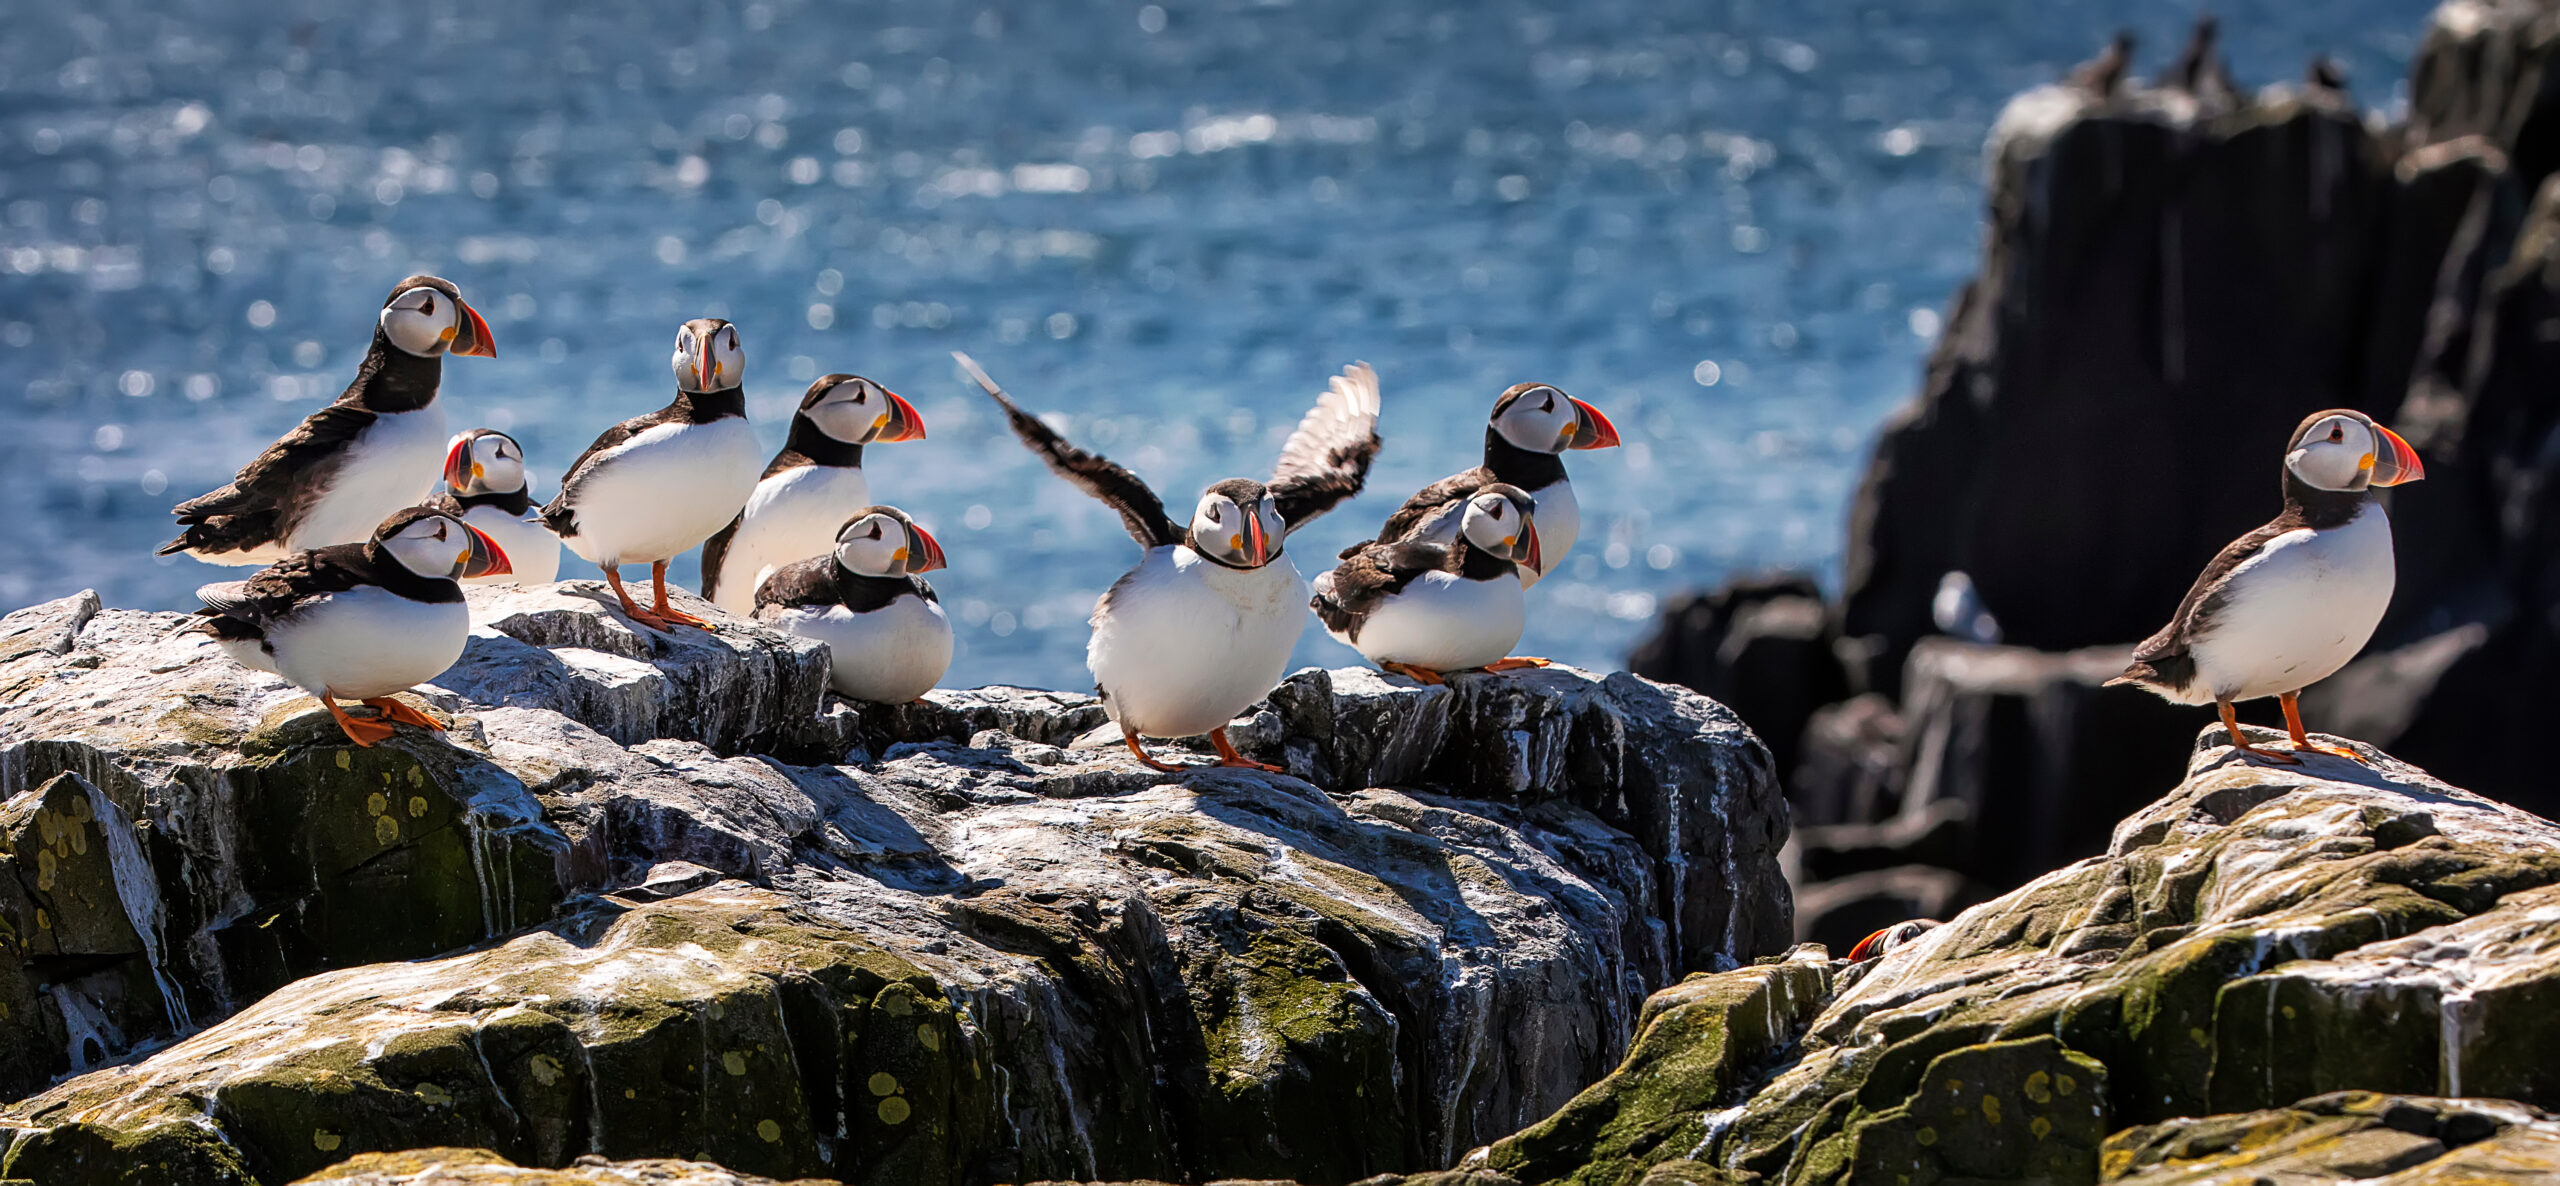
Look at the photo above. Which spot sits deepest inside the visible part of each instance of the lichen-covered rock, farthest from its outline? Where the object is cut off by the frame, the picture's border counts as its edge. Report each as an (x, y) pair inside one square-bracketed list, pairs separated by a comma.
[(737, 687), (2358, 1136), (2261, 934), (1438, 936), (1700, 1043), (480, 1167), (245, 841)]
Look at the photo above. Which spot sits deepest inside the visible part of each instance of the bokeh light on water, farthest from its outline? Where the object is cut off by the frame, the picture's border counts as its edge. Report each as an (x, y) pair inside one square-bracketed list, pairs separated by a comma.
[(1730, 225)]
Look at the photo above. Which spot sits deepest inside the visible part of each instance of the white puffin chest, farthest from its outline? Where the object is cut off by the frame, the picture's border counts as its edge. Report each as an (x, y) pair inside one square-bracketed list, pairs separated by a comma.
[(392, 464), (367, 642), (1444, 622), (792, 515), (891, 655), (2296, 612), (1181, 645), (664, 491)]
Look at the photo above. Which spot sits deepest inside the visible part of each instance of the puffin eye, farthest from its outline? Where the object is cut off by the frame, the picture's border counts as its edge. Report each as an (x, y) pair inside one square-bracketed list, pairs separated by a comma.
[(429, 308), (1547, 404), (440, 531), (2337, 433), (875, 531)]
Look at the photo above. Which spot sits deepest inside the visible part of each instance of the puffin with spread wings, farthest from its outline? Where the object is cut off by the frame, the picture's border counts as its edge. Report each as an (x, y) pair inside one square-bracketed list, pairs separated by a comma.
[(1203, 626)]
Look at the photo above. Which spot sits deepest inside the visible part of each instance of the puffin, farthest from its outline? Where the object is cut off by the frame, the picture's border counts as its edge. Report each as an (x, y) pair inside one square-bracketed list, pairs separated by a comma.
[(655, 485), (358, 621), (485, 486), (1886, 940), (2288, 604), (1202, 627), (808, 487), (867, 600), (1531, 425), (346, 466), (1423, 609)]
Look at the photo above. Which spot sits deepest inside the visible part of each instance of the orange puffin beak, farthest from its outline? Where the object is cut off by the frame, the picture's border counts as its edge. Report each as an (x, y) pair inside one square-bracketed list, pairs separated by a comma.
[(2401, 466), (458, 466), (486, 557), (905, 424), (1257, 540), (474, 339), (1866, 948), (1591, 430), (924, 553), (702, 364), (1536, 559)]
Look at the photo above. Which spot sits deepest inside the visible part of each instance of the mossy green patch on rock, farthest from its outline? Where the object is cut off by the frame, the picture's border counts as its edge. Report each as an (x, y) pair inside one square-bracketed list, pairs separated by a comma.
[(635, 1032), (2258, 935), (1699, 1041), (2345, 1136)]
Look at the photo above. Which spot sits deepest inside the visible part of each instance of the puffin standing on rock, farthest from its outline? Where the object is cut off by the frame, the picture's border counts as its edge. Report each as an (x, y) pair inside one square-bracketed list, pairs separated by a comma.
[(886, 635), (485, 486), (335, 476), (655, 485), (1422, 609), (808, 489), (1531, 426), (2288, 604), (1202, 627), (358, 621)]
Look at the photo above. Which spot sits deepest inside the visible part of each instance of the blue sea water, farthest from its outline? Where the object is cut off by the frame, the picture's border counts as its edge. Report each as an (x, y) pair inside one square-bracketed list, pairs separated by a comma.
[(1732, 225)]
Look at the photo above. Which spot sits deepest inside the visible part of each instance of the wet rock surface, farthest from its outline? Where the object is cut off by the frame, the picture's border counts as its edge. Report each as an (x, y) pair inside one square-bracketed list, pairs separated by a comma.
[(951, 941), (2262, 935)]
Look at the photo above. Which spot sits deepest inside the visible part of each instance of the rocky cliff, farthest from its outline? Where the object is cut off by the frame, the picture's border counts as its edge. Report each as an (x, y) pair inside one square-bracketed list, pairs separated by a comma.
[(650, 897), (2181, 262), (2180, 1009)]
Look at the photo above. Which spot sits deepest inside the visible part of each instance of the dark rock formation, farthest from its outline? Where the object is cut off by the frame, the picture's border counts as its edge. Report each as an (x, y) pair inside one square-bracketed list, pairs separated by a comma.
[(1764, 647), (2173, 275), (967, 946)]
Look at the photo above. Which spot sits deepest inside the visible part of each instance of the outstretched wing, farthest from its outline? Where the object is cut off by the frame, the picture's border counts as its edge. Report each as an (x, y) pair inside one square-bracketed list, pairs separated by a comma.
[(256, 507), (1327, 459), (1140, 510)]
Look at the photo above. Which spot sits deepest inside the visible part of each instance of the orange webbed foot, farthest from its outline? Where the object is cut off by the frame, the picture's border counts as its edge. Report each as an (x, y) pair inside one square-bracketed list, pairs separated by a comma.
[(396, 709), (362, 732), (1227, 755), (1519, 663), (1422, 675)]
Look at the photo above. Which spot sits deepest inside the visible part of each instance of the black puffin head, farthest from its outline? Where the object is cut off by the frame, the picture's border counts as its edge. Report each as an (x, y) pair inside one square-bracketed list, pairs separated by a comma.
[(853, 410), (708, 358), (2342, 451), (881, 541), (1541, 419), (483, 461), (1238, 525), (425, 317), (1501, 520), (432, 544)]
